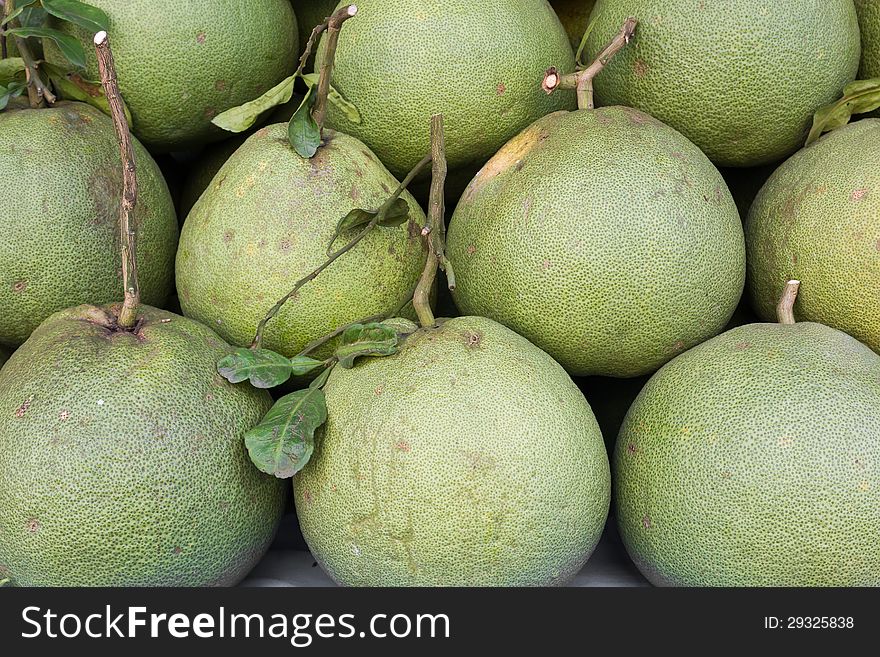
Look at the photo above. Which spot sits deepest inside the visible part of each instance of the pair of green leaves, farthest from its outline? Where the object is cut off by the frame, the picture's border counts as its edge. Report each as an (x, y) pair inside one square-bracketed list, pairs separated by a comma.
[(396, 215), (282, 443), (304, 134), (32, 15), (859, 97)]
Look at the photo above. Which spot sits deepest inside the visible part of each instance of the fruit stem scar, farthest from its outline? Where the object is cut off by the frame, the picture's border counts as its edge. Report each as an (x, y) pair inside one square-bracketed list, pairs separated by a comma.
[(436, 211), (334, 25), (128, 238), (785, 307), (582, 81)]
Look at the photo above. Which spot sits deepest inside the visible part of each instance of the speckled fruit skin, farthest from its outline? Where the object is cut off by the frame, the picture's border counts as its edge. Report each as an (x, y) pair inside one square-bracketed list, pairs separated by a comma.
[(739, 78), (267, 221), (869, 23), (182, 63), (60, 198), (604, 237), (817, 219), (480, 64), (575, 18), (123, 459), (754, 460), (467, 459)]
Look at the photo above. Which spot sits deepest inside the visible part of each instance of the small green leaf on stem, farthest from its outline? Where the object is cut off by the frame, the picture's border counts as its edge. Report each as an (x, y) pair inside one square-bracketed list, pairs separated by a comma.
[(396, 215), (583, 44), (73, 86), (86, 16), (401, 325), (302, 131), (241, 118), (70, 47), (263, 368), (372, 339), (12, 90), (348, 108), (283, 442), (859, 97)]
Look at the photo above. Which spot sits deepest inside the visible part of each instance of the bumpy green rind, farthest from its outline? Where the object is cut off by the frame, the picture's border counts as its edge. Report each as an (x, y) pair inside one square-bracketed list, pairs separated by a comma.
[(479, 64), (817, 219), (869, 23), (60, 199), (740, 79), (754, 460), (123, 458), (267, 220), (468, 459), (604, 237), (182, 63)]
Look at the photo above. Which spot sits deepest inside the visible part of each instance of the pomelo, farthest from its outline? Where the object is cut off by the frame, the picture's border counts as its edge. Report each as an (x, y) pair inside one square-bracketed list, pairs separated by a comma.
[(869, 23), (741, 79), (182, 63), (123, 457), (467, 459), (267, 220), (817, 219), (753, 460), (603, 236), (479, 64), (59, 222)]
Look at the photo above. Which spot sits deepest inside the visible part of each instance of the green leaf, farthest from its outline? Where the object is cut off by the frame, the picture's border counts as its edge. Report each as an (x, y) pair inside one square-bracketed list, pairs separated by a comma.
[(20, 6), (321, 379), (11, 70), (12, 90), (239, 119), (88, 17), (263, 368), (372, 339), (302, 131), (397, 215), (73, 86), (348, 108), (283, 442), (70, 47), (859, 97), (302, 365), (401, 325)]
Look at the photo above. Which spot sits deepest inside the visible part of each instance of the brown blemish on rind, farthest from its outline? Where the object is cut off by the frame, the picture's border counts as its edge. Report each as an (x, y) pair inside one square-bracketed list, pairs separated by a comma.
[(201, 37), (19, 286), (640, 68), (472, 339), (646, 522), (25, 405), (33, 525)]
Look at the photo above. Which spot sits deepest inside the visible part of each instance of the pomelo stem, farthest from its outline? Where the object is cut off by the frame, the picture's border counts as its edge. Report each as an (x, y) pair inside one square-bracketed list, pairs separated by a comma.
[(334, 25), (582, 81), (38, 93), (380, 216), (785, 307), (127, 235), (436, 225)]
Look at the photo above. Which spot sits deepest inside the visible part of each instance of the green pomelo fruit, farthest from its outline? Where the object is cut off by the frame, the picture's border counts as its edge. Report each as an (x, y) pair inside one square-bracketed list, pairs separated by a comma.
[(741, 79), (818, 220), (603, 236), (267, 220), (467, 459), (310, 13), (60, 200), (754, 460), (203, 170), (575, 18), (869, 22), (479, 64), (123, 457), (182, 63)]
